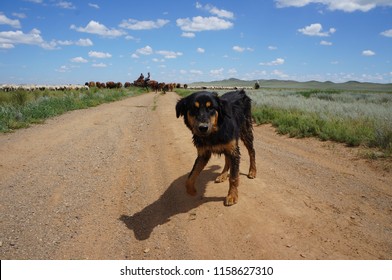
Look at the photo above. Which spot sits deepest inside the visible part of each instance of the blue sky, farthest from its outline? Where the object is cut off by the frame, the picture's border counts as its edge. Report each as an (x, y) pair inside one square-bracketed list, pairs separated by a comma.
[(62, 42)]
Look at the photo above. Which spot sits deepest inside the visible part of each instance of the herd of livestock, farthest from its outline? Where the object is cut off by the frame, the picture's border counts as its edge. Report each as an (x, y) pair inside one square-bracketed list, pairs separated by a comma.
[(157, 87), (149, 85)]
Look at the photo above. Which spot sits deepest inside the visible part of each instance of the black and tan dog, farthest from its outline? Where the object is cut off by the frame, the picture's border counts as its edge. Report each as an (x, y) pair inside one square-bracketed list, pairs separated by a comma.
[(217, 123)]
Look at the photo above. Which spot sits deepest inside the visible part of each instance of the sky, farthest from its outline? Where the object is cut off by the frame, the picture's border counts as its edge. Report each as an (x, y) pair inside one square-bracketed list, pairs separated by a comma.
[(185, 41)]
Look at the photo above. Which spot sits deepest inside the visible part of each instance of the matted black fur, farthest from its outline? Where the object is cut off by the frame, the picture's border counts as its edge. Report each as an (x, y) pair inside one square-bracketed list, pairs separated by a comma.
[(217, 123)]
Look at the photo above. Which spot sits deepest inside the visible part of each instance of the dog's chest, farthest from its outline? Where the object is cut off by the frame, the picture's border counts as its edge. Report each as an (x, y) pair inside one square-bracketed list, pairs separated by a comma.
[(221, 148)]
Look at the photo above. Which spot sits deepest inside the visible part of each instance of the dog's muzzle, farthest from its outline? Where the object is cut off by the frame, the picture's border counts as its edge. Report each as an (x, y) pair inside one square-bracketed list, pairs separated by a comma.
[(203, 128)]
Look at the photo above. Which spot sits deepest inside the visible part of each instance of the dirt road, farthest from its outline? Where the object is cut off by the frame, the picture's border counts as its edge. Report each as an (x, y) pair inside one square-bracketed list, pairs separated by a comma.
[(108, 183)]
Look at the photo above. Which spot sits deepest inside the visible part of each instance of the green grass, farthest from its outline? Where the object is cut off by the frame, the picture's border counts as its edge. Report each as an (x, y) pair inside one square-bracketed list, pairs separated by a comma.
[(19, 109), (297, 123), (356, 119), (183, 92)]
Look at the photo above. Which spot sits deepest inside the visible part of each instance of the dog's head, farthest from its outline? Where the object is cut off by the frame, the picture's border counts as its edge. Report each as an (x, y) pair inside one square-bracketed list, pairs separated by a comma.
[(203, 112)]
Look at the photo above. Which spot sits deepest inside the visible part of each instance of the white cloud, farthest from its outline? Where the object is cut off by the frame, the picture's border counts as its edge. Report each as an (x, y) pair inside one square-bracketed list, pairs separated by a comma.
[(66, 5), (158, 60), (92, 5), (15, 23), (147, 50), (221, 13), (242, 49), (134, 24), (343, 5), (129, 37), (94, 27), (99, 54), (84, 42), (215, 11), (63, 69), (79, 59), (272, 48), (169, 54), (315, 29), (238, 49), (325, 43), (279, 74), (200, 50), (217, 72), (35, 1), (188, 34), (64, 43), (368, 53), (80, 42), (9, 39), (197, 24), (276, 62), (6, 46), (387, 33), (19, 15)]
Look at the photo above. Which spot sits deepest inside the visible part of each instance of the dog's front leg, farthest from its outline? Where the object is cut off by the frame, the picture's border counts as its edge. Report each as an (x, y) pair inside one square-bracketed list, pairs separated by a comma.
[(225, 172), (200, 162), (232, 196)]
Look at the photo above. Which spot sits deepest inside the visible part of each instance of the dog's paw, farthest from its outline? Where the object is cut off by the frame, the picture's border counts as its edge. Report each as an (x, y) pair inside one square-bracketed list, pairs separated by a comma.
[(221, 178), (252, 174), (231, 200)]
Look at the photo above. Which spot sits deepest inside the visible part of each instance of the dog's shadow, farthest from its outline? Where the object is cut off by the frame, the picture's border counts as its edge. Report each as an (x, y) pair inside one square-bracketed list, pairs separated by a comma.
[(173, 201)]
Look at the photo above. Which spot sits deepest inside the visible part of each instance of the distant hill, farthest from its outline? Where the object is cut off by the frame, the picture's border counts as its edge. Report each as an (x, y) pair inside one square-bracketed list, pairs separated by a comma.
[(351, 85)]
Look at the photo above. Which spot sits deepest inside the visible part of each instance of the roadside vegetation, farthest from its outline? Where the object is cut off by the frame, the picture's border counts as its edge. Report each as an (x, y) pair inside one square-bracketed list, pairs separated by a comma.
[(354, 118), (20, 108)]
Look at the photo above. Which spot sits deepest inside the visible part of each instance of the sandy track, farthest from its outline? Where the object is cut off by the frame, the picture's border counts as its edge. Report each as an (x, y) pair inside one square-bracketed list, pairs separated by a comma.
[(108, 183)]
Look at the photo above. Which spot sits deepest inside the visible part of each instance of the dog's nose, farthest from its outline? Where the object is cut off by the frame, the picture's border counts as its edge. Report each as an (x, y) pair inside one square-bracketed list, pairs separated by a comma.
[(203, 128)]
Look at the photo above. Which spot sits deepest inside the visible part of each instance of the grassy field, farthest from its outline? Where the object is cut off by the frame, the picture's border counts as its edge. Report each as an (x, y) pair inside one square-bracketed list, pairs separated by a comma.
[(21, 108), (356, 118)]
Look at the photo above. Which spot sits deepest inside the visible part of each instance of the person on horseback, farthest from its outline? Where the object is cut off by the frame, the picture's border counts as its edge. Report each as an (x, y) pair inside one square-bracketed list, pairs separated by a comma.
[(147, 79)]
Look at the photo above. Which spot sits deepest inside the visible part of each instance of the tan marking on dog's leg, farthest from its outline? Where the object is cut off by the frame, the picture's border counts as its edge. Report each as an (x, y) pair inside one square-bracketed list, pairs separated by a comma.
[(199, 165), (252, 157), (225, 172), (248, 141), (252, 167), (232, 196)]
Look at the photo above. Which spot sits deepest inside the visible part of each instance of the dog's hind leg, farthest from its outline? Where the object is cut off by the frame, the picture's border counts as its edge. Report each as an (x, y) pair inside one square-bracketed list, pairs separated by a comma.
[(198, 166), (232, 196), (247, 138), (225, 172)]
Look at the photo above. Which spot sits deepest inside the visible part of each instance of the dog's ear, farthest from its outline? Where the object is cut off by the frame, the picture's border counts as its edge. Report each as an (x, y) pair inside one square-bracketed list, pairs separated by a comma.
[(181, 107)]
